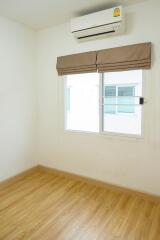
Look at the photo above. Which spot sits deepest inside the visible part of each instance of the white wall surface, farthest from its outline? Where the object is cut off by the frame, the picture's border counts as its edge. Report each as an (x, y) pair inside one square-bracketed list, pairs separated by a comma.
[(17, 97), (133, 163)]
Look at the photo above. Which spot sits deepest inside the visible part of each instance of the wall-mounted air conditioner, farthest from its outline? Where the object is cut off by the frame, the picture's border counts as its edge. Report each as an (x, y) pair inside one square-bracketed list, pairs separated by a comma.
[(106, 22)]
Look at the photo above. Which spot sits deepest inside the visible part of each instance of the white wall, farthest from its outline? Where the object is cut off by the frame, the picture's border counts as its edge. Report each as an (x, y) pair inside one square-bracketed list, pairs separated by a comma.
[(128, 162), (17, 98)]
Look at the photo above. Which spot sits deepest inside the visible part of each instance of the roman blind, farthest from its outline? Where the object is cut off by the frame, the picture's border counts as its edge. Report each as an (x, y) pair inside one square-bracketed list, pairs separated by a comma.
[(137, 56), (77, 63)]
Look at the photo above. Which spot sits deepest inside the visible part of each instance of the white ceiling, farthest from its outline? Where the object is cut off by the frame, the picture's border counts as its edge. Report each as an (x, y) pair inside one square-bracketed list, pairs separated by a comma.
[(39, 14)]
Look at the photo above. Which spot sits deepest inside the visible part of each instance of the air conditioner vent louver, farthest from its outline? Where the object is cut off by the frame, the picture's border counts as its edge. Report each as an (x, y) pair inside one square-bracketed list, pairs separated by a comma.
[(97, 34)]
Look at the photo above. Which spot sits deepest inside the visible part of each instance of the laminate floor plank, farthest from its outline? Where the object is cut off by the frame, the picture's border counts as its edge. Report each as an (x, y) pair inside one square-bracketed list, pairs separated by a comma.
[(41, 205)]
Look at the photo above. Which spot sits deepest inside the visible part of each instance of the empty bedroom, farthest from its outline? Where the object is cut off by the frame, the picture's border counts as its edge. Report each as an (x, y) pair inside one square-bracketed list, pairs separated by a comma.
[(79, 120)]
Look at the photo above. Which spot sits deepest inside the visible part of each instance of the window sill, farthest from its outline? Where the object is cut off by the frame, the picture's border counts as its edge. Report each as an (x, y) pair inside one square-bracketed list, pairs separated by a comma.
[(109, 135)]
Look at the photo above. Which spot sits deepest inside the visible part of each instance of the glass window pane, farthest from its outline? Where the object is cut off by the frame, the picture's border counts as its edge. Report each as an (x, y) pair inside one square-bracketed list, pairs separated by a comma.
[(109, 101), (110, 91), (126, 91), (127, 114), (126, 104), (83, 112), (68, 99)]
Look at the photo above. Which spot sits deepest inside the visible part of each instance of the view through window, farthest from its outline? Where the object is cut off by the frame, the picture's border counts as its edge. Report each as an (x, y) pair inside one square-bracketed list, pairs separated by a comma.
[(82, 102), (122, 112)]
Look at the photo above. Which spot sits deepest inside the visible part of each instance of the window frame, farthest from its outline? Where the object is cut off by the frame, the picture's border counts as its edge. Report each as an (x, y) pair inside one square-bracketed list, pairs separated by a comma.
[(101, 132)]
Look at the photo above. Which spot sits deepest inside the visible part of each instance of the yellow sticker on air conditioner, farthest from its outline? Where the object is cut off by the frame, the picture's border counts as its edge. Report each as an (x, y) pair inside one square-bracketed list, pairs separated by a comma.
[(117, 12)]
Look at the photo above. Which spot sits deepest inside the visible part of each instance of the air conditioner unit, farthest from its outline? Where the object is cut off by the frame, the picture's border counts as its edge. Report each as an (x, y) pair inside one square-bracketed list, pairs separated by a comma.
[(106, 22)]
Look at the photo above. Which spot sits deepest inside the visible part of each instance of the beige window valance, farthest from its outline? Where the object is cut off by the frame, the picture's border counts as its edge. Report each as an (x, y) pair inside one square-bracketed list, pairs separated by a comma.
[(137, 56)]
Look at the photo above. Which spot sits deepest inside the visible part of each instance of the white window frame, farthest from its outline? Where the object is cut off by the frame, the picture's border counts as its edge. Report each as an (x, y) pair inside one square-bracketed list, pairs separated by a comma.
[(101, 124)]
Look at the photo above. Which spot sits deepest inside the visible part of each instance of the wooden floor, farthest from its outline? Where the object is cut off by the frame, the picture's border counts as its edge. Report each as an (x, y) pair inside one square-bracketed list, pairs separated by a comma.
[(41, 205)]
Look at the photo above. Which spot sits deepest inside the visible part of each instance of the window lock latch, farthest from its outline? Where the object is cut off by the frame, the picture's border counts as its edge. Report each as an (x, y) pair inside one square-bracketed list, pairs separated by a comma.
[(141, 101)]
